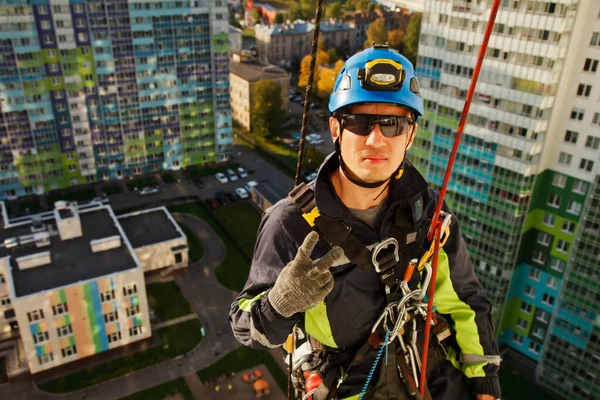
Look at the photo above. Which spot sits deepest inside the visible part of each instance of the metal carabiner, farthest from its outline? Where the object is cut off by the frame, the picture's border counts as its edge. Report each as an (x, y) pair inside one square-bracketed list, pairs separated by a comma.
[(381, 246)]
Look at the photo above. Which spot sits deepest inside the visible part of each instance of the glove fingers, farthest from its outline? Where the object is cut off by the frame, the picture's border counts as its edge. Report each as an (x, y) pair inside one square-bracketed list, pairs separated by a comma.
[(323, 263), (319, 278), (328, 287), (307, 246)]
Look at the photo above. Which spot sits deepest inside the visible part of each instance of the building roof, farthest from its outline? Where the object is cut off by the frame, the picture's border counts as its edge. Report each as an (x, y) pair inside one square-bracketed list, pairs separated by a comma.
[(334, 25), (147, 227), (271, 191), (267, 7), (294, 28), (256, 72), (71, 260)]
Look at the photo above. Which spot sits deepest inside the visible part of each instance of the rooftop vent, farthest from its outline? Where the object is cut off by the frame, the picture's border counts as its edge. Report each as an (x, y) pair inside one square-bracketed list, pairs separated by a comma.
[(107, 243), (34, 260)]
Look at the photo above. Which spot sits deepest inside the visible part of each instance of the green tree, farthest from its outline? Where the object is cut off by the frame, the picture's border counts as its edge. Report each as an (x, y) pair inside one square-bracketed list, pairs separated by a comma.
[(361, 5), (411, 38), (334, 11), (333, 55), (372, 6), (255, 16), (266, 113), (377, 32), (395, 39), (279, 18)]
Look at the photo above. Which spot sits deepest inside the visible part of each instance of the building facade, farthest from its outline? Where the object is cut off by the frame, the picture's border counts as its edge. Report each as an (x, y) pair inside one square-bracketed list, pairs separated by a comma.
[(524, 185), (72, 281), (243, 77), (100, 90)]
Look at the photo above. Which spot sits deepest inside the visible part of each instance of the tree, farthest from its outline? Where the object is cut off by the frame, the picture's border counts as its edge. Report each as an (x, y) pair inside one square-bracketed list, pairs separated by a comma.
[(334, 11), (361, 5), (255, 16), (333, 55), (279, 18), (322, 59), (395, 39), (266, 110), (411, 38), (377, 32), (327, 79)]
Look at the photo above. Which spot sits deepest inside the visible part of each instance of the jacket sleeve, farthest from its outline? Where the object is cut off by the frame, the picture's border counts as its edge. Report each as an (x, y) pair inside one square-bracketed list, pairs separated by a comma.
[(253, 320), (459, 295)]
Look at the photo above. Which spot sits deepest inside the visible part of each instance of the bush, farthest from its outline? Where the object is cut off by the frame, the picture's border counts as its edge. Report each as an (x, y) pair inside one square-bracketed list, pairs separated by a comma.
[(169, 177)]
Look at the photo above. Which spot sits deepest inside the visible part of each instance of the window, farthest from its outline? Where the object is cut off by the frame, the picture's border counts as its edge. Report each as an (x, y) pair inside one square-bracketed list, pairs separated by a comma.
[(568, 227), (592, 142), (517, 338), (543, 316), (535, 347), (535, 273), (590, 65), (42, 9), (521, 323), (562, 246), (557, 265), (526, 307), (83, 37), (137, 330), (539, 332), (577, 114), (41, 337), (35, 315), (549, 219), (554, 200), (544, 239), (5, 301), (552, 282), (69, 351), (529, 291), (547, 299), (111, 317), (574, 207), (595, 39), (65, 330), (129, 290), (45, 24), (114, 337), (60, 309), (45, 358), (580, 187), (131, 311), (587, 165), (565, 158), (107, 296), (559, 180), (2, 278), (571, 136), (539, 257), (584, 90), (178, 258)]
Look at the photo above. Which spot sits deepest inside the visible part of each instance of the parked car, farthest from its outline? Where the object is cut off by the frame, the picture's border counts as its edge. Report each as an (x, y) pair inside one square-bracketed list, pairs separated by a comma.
[(313, 106), (249, 186), (310, 177), (242, 172), (242, 193), (222, 198), (212, 203), (231, 175), (299, 99), (148, 190), (221, 177), (314, 138)]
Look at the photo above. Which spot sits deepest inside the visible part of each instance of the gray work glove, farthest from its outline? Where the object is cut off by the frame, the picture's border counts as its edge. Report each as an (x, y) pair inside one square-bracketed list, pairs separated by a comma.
[(303, 283)]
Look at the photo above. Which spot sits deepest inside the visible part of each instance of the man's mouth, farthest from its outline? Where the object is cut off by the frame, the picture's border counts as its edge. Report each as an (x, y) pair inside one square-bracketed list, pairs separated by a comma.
[(375, 159)]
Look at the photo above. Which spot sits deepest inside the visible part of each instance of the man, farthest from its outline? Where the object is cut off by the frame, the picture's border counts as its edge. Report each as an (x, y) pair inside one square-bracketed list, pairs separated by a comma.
[(367, 187)]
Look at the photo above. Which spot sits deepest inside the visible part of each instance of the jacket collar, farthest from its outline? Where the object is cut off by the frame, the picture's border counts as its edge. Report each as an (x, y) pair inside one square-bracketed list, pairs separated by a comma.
[(328, 202)]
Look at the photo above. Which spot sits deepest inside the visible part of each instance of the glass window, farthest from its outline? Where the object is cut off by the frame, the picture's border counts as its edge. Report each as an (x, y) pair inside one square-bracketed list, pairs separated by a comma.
[(547, 299), (552, 282), (559, 180), (517, 338), (521, 323), (529, 291), (544, 239), (549, 219), (526, 307), (557, 265), (580, 187)]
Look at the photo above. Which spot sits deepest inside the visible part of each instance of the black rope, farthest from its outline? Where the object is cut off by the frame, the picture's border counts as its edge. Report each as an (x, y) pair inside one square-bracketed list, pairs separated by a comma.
[(311, 74)]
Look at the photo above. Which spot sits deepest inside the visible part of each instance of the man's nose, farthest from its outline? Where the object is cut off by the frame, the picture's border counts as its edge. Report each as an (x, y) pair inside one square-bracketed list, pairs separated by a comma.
[(375, 137)]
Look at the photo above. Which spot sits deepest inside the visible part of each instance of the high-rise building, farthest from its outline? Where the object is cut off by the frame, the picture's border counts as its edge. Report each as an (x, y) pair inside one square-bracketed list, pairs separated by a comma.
[(525, 182), (97, 90)]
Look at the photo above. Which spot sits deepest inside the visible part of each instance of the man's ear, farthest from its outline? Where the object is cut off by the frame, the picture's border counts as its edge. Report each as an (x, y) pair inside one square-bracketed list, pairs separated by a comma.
[(334, 127), (411, 140)]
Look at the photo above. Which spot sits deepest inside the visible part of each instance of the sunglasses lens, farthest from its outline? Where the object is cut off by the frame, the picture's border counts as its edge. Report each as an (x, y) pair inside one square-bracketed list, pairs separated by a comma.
[(358, 124), (390, 125)]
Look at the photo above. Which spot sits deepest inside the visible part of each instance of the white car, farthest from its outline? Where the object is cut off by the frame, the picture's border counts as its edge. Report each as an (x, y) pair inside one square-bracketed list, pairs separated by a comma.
[(242, 193), (232, 176), (148, 190), (242, 172), (250, 185), (314, 138), (221, 177)]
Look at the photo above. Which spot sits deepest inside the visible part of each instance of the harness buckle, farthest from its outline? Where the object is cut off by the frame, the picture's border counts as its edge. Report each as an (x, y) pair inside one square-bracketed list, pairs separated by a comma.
[(385, 262)]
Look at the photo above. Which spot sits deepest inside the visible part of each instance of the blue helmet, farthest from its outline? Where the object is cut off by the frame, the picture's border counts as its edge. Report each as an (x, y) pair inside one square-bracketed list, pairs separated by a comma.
[(377, 75)]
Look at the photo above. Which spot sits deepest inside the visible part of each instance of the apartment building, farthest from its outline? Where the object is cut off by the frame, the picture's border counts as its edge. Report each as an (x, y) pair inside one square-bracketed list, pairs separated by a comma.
[(72, 281), (101, 90), (525, 182), (243, 77)]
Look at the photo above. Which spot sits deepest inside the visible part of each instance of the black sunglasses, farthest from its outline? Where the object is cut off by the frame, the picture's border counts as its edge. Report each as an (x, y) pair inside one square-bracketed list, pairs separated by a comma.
[(390, 125)]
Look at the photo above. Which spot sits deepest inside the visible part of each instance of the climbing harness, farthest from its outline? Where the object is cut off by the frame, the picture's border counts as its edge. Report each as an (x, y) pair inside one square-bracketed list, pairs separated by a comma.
[(398, 321)]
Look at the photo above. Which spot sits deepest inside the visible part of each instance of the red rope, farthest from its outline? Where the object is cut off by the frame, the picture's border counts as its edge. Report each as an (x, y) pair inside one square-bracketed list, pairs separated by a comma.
[(436, 222)]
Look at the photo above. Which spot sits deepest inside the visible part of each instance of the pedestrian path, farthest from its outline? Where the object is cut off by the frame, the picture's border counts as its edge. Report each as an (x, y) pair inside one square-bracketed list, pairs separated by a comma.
[(174, 321), (195, 386)]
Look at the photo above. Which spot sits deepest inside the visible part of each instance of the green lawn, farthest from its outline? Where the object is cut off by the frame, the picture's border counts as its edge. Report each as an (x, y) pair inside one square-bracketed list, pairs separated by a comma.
[(159, 392), (233, 272), (243, 358), (176, 339), (206, 170), (196, 251), (516, 387), (141, 182), (167, 300), (241, 220)]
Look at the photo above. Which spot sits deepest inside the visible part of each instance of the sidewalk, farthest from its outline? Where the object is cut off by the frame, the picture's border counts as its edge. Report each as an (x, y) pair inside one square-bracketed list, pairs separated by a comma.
[(174, 321)]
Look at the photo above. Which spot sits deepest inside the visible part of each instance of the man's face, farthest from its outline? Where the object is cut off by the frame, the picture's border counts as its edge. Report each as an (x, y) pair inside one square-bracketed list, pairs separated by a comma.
[(373, 158)]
